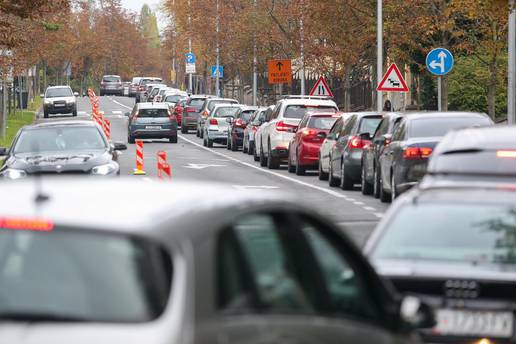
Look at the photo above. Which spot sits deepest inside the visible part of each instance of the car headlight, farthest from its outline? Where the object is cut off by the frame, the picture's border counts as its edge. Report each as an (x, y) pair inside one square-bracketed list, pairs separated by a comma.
[(12, 173), (104, 170), (47, 102), (70, 102)]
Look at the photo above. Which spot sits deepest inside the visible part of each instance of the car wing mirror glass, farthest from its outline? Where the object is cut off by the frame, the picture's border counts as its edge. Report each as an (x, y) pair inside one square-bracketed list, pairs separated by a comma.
[(3, 151), (76, 94), (387, 139), (416, 314), (322, 135), (365, 136), (127, 114), (119, 146)]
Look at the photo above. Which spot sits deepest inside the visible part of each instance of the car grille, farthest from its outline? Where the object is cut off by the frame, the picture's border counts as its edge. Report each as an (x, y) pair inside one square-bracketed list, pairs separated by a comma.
[(78, 172), (60, 102)]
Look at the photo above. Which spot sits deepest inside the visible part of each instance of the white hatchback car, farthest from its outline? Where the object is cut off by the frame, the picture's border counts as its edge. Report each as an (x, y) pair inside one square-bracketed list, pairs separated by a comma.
[(275, 135)]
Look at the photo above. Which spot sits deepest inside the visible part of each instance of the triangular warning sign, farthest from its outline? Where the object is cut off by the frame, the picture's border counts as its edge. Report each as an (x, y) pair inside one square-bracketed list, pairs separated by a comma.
[(393, 81), (321, 88)]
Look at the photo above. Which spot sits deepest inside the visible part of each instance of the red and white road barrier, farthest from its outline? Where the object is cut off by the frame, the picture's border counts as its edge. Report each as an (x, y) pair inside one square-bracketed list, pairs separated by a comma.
[(107, 128), (167, 171), (99, 118), (139, 158), (162, 160)]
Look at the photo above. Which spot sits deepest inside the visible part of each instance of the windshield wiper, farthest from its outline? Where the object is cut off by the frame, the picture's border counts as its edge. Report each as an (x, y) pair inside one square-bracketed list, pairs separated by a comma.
[(40, 317)]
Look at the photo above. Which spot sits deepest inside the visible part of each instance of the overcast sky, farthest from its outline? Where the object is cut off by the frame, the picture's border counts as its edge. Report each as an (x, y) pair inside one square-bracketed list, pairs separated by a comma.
[(136, 6)]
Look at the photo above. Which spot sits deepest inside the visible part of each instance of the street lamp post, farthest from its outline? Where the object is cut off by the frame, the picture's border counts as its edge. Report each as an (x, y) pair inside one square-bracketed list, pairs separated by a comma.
[(379, 53), (255, 64), (217, 72), (190, 77), (511, 105)]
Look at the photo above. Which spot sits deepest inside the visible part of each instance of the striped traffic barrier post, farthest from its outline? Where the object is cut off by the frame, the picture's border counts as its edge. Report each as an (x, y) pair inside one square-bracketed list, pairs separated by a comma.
[(162, 160), (107, 128), (100, 118), (167, 171), (139, 158)]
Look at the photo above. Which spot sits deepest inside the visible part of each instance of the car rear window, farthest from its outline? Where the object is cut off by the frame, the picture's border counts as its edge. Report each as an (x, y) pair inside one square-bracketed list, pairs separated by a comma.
[(63, 274), (59, 92), (475, 162), (323, 123), (369, 124), (111, 79), (152, 113), (226, 112), (438, 127), (299, 111), (246, 115), (172, 99), (213, 103), (475, 233)]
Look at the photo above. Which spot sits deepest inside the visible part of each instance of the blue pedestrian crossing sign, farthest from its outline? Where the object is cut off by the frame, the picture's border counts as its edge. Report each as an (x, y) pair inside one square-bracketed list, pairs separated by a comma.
[(439, 61), (214, 71), (190, 58)]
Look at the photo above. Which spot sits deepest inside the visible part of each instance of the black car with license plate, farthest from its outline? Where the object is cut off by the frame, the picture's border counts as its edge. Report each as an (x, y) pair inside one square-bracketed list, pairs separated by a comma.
[(152, 121), (454, 246), (59, 148)]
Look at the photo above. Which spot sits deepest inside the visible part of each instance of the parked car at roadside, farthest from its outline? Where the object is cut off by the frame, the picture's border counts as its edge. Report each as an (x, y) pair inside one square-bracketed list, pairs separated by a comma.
[(206, 109), (327, 144), (249, 267), (304, 147), (152, 121), (452, 245), (237, 127), (256, 120), (111, 84), (345, 157), (142, 87), (258, 134), (371, 152), (216, 126), (191, 113), (59, 100), (403, 163)]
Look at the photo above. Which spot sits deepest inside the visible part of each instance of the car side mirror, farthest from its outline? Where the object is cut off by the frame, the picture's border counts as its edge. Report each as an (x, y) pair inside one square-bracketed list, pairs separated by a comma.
[(3, 151), (322, 135), (365, 136), (42, 95), (76, 94), (127, 114), (331, 136), (387, 139), (119, 146), (416, 314), (229, 120)]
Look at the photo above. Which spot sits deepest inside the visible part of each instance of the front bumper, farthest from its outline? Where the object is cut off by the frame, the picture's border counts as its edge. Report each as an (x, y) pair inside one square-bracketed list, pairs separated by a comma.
[(68, 108)]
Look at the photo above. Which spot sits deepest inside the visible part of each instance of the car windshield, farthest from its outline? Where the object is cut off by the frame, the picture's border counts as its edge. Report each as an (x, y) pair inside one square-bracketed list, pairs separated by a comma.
[(438, 127), (369, 125), (226, 112), (172, 99), (80, 276), (152, 113), (59, 139), (59, 92), (111, 79), (299, 111), (451, 232), (319, 122), (214, 103), (196, 102)]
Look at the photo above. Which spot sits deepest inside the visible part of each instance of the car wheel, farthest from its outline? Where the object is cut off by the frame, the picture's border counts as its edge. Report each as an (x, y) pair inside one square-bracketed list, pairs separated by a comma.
[(210, 143), (234, 145), (201, 134), (131, 139), (290, 167), (345, 182), (263, 160), (322, 175), (332, 181), (45, 114), (228, 144), (197, 133), (385, 197), (184, 130), (394, 194), (366, 187), (173, 139), (250, 151), (101, 94), (300, 170), (376, 183), (255, 156), (244, 147), (204, 143), (74, 113), (272, 163)]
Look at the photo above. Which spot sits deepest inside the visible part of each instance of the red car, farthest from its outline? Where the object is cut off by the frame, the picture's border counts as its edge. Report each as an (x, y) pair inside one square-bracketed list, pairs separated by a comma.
[(303, 152)]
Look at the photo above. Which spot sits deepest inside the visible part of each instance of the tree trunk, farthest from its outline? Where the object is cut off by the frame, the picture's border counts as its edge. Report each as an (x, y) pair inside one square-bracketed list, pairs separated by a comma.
[(491, 90), (347, 92)]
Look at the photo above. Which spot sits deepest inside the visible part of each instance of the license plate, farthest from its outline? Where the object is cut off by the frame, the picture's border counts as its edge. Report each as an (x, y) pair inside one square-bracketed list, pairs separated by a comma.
[(153, 127), (59, 104), (474, 323)]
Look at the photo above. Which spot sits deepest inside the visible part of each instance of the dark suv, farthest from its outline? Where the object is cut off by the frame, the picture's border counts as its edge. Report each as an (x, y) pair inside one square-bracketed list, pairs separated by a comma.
[(111, 84), (152, 121)]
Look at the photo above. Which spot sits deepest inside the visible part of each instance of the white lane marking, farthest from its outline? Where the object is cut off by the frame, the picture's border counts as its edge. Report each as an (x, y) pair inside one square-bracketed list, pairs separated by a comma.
[(147, 179), (370, 208), (378, 215), (358, 203), (81, 113), (122, 105), (330, 192), (255, 187), (201, 166), (116, 112)]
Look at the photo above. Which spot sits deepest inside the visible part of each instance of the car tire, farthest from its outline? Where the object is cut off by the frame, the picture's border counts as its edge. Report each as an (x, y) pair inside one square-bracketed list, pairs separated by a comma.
[(201, 134), (250, 151), (290, 167), (300, 170), (45, 114), (74, 112), (228, 144), (385, 197), (245, 148), (204, 143), (376, 183), (394, 194), (131, 139), (272, 163), (322, 175), (366, 187), (173, 139), (101, 93), (345, 182), (255, 156), (234, 145), (184, 130), (209, 143), (332, 181), (263, 160)]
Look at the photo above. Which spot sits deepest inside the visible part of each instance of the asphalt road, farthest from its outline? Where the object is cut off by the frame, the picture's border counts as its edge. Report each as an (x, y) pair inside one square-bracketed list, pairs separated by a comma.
[(356, 214)]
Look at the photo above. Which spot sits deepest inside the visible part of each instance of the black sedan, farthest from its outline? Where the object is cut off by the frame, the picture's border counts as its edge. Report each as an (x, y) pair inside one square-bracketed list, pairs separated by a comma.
[(403, 163), (454, 246), (67, 147), (248, 268)]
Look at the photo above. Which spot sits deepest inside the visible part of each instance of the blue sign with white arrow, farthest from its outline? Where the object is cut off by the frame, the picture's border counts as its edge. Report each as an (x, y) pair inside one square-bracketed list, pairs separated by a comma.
[(214, 71), (439, 61), (190, 58)]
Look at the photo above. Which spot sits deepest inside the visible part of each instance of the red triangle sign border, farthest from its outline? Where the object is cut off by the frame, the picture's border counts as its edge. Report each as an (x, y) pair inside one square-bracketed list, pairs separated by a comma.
[(325, 85), (404, 87)]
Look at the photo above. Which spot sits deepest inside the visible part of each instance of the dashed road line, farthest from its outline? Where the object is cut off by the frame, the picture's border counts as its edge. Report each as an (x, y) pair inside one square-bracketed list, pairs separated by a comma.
[(378, 215), (118, 103), (369, 208)]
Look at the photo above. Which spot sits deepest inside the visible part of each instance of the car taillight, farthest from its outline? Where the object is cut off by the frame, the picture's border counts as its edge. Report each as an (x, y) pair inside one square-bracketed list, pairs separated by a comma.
[(135, 115), (506, 154), (172, 116), (417, 152), (141, 88), (239, 123), (205, 113), (355, 142), (190, 109), (255, 128), (282, 126), (213, 121)]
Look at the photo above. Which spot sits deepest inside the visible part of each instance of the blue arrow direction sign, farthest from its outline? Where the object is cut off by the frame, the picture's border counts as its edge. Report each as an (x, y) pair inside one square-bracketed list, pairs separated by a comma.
[(439, 61), (190, 58), (214, 71)]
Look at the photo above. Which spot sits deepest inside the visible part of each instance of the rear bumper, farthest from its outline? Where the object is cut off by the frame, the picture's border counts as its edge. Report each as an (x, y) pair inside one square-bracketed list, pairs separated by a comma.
[(309, 154), (189, 122), (353, 164), (409, 173), (141, 131), (279, 153)]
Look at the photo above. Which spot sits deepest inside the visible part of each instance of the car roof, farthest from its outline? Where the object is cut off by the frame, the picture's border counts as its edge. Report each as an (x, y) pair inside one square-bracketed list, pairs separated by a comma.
[(59, 86), (111, 75), (249, 108), (308, 101), (448, 114), (486, 138), (157, 105), (56, 124), (102, 204), (225, 99)]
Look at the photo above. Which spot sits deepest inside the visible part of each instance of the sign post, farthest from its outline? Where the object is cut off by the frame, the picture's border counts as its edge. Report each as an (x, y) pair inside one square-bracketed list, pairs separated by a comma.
[(190, 63), (439, 62)]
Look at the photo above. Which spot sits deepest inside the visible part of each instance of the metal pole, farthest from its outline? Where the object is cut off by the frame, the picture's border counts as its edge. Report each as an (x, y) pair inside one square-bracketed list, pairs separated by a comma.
[(190, 78), (379, 53), (439, 94), (511, 105), (255, 65), (301, 29), (217, 72)]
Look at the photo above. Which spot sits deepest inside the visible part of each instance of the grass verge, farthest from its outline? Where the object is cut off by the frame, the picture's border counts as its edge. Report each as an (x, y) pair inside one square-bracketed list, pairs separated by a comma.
[(18, 119)]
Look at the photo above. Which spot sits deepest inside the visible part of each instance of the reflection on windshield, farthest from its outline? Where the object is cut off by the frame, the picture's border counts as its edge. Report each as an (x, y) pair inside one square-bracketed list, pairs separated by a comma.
[(59, 140), (59, 92), (226, 112), (451, 232)]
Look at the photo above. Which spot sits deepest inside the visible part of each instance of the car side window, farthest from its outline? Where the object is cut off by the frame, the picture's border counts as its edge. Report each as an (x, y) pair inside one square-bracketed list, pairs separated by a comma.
[(382, 128), (303, 122), (276, 112), (337, 126), (348, 127), (399, 132)]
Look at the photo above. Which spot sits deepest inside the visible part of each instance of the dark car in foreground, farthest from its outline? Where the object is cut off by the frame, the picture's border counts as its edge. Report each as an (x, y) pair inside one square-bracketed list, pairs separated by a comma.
[(372, 152), (152, 121), (454, 246), (59, 148), (345, 157), (403, 163), (111, 84), (237, 127), (248, 267)]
